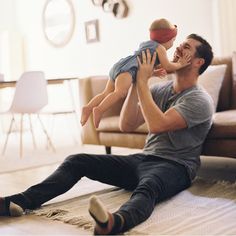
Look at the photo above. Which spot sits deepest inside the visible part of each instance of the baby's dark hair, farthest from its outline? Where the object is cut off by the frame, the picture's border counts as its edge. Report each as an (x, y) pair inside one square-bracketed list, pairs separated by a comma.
[(204, 50)]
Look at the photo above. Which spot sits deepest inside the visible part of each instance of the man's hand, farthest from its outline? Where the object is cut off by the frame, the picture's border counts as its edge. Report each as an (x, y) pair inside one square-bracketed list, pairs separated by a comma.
[(146, 65)]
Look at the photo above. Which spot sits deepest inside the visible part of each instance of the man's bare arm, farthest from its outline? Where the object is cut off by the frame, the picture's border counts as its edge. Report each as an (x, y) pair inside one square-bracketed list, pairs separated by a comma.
[(156, 120), (131, 116)]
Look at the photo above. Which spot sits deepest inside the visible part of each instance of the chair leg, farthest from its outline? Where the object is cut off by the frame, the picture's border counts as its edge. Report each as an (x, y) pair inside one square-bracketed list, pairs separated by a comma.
[(21, 135), (52, 125), (108, 150), (32, 131), (47, 135), (8, 133)]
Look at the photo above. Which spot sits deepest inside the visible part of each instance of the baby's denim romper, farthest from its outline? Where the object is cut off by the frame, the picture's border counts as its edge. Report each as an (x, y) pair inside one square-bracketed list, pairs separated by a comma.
[(130, 63)]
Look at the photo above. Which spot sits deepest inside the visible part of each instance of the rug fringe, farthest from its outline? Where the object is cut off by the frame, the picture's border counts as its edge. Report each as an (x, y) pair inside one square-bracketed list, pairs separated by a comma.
[(53, 213), (60, 215), (80, 221), (226, 183)]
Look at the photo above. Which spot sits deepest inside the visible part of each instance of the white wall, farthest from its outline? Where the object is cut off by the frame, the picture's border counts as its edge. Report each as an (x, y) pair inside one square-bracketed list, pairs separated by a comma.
[(227, 25), (118, 37), (11, 48), (7, 13)]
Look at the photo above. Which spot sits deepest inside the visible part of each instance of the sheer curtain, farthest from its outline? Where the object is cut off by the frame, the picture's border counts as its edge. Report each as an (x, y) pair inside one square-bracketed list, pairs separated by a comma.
[(227, 26)]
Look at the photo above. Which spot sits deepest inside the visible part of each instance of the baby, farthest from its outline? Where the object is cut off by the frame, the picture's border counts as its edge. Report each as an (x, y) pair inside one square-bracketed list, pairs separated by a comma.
[(123, 73)]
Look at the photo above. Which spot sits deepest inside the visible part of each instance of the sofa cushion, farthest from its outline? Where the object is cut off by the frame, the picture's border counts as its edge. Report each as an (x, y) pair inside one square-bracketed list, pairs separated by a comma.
[(211, 80), (224, 125), (111, 124), (129, 140)]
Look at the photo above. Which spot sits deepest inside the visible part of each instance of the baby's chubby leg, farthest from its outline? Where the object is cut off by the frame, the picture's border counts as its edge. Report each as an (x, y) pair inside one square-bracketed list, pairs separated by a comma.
[(122, 84), (85, 113), (88, 109)]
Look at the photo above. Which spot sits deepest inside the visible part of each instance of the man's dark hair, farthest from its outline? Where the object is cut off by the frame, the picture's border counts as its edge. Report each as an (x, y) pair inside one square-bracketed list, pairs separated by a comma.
[(204, 51)]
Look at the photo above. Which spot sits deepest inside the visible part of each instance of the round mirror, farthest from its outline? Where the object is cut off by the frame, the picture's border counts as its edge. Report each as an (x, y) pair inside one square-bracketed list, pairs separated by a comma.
[(58, 21)]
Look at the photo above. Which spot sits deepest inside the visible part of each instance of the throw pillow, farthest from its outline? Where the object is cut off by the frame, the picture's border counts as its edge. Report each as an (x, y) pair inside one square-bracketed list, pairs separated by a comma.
[(211, 80)]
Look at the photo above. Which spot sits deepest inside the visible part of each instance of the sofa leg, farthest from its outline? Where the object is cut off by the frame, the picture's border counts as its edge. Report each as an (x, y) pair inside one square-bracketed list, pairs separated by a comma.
[(108, 150)]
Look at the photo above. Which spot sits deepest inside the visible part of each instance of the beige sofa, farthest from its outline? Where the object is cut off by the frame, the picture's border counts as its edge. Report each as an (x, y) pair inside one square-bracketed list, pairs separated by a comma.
[(221, 140)]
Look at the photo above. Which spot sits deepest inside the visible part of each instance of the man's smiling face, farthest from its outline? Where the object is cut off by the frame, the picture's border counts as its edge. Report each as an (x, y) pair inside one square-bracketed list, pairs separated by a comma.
[(189, 46)]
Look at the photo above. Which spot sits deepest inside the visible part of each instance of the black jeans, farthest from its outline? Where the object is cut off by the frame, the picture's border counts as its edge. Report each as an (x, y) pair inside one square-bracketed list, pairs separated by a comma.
[(151, 179)]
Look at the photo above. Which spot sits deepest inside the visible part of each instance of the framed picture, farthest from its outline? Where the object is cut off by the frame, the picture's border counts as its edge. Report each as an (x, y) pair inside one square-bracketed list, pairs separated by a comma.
[(97, 2), (92, 31)]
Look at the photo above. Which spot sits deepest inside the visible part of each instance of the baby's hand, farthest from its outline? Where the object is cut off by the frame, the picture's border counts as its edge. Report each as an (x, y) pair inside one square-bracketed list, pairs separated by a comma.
[(159, 72), (185, 59)]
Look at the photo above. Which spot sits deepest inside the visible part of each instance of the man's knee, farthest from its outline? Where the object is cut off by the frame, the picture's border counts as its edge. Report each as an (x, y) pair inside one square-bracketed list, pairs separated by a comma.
[(69, 160), (76, 160), (75, 157)]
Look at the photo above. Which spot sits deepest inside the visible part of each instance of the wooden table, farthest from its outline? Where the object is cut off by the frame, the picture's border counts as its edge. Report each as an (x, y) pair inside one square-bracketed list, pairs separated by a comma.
[(12, 83)]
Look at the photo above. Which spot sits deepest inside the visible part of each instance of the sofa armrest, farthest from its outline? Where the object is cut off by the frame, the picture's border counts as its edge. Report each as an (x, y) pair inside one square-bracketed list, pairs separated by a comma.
[(88, 88)]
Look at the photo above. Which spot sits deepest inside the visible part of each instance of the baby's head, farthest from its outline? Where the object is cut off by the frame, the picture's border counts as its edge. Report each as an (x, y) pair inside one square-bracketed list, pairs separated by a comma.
[(162, 31)]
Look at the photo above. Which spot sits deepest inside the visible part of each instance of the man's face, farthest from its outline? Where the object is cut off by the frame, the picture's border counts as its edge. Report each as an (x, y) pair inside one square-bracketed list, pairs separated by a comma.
[(188, 46)]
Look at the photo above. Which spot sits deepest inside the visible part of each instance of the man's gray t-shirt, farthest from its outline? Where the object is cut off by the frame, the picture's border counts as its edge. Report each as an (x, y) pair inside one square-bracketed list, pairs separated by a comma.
[(184, 145)]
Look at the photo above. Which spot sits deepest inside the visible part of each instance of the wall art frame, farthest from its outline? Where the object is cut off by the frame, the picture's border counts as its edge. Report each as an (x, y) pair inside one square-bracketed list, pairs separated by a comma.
[(92, 31)]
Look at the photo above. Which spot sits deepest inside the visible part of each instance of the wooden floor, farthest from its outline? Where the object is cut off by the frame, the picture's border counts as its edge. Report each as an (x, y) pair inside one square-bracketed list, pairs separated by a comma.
[(216, 168), (12, 182), (16, 181), (30, 224)]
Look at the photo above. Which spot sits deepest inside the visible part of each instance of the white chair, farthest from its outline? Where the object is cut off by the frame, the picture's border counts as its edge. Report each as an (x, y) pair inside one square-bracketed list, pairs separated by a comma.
[(29, 98)]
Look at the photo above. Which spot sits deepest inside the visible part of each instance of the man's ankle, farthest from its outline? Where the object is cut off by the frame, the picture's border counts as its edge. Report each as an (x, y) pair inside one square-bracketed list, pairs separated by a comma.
[(104, 228), (113, 226), (106, 223), (8, 208)]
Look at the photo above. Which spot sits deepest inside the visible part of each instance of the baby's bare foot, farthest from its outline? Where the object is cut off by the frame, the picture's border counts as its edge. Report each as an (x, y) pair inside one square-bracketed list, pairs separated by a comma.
[(97, 115), (86, 111)]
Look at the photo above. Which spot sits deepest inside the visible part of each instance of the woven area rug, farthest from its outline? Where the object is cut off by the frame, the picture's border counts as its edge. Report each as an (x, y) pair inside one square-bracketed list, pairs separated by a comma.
[(206, 208)]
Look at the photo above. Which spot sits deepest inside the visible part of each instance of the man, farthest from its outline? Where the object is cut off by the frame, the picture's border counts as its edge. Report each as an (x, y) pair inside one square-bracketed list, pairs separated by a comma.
[(178, 115)]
